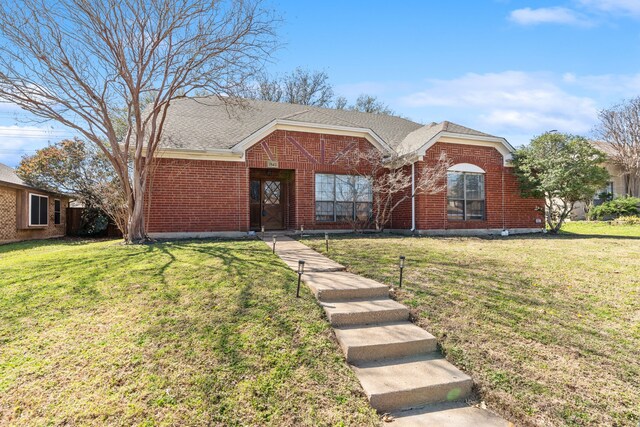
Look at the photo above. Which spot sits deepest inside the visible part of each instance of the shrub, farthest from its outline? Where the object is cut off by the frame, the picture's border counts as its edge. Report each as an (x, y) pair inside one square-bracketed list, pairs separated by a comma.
[(626, 220), (625, 206)]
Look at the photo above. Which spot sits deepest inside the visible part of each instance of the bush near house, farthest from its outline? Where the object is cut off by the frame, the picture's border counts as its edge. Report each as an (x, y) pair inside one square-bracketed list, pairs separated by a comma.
[(623, 206)]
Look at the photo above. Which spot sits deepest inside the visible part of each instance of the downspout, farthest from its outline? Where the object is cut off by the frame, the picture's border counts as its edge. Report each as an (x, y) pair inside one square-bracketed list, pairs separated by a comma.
[(413, 197)]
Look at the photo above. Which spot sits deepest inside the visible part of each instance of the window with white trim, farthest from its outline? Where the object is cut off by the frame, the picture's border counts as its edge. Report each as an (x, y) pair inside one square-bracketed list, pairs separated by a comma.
[(343, 198), (57, 211), (465, 195), (38, 210)]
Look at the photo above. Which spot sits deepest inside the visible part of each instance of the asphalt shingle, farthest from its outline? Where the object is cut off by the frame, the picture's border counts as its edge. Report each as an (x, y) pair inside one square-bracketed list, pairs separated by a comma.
[(208, 123)]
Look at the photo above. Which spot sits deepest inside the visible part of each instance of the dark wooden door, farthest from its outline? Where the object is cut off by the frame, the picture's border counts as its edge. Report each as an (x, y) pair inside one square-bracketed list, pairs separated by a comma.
[(267, 204), (272, 205)]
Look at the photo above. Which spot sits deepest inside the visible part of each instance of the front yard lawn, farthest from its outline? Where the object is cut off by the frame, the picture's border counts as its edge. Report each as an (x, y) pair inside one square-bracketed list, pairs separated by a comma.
[(193, 333), (548, 326)]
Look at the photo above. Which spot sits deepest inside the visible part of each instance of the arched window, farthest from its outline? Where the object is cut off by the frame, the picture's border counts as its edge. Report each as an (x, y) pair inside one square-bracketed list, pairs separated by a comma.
[(465, 193)]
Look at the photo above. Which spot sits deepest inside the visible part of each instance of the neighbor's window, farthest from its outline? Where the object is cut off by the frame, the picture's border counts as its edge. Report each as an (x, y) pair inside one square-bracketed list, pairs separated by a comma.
[(57, 207), (343, 198), (465, 194), (38, 210)]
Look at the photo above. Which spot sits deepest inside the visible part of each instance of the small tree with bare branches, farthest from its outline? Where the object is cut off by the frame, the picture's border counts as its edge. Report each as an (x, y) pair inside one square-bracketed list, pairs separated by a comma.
[(92, 65), (619, 128), (390, 178)]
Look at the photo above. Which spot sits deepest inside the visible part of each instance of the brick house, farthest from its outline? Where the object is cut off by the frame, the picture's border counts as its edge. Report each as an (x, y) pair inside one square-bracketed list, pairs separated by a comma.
[(28, 213), (229, 170)]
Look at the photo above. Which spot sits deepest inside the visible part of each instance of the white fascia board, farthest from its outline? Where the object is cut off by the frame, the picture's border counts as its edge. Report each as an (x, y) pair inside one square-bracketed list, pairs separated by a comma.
[(211, 154), (500, 144), (280, 124)]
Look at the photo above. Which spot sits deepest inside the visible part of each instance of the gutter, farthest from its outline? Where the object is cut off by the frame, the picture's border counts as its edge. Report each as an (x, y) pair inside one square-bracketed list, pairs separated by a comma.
[(413, 197)]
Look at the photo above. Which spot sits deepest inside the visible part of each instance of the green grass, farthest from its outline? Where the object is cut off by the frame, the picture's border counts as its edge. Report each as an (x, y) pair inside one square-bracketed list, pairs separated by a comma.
[(183, 333), (548, 326)]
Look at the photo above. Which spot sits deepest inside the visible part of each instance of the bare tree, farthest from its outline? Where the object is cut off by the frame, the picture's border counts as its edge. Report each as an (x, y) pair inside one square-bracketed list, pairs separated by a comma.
[(340, 103), (371, 104), (81, 63), (301, 86), (390, 178), (619, 128)]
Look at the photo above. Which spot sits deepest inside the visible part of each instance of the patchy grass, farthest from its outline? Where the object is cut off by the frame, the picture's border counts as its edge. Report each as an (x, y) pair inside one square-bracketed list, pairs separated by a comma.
[(183, 333), (548, 326)]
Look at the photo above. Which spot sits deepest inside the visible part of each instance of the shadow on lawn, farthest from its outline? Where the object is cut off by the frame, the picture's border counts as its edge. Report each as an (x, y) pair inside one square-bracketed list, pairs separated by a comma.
[(252, 287)]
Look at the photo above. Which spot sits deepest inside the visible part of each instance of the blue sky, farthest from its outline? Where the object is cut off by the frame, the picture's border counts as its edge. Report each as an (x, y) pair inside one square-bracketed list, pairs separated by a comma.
[(511, 68)]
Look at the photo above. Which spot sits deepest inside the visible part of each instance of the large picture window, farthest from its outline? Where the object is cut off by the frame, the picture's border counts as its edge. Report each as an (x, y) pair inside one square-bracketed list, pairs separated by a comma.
[(343, 198), (38, 210), (465, 196)]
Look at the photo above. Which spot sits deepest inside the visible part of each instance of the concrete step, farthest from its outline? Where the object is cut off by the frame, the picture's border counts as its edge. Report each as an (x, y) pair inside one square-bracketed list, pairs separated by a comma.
[(412, 382), (341, 285), (384, 341), (449, 414), (362, 312)]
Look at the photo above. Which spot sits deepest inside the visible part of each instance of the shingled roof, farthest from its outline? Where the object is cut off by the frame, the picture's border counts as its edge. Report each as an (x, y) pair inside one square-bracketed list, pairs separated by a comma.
[(8, 175), (208, 123)]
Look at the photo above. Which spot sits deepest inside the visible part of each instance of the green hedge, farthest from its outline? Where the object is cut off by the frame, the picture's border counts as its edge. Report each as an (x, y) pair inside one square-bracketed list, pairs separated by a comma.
[(624, 206)]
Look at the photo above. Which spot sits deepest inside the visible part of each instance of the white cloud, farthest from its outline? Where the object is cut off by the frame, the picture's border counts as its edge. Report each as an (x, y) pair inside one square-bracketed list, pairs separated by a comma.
[(16, 141), (627, 7), (509, 102), (548, 15)]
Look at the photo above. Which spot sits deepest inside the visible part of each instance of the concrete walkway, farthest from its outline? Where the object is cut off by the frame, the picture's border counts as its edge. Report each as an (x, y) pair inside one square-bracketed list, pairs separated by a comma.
[(397, 362)]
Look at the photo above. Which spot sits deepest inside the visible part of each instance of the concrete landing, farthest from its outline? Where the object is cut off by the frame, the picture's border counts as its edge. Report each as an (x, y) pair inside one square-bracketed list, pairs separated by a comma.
[(291, 251), (397, 362)]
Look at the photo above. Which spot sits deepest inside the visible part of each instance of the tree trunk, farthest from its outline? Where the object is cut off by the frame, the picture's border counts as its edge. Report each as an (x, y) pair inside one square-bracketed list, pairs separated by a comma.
[(136, 229)]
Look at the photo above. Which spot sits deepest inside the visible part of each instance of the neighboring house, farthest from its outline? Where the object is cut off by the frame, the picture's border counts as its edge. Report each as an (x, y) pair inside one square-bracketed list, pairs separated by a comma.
[(618, 186), (28, 213), (225, 170)]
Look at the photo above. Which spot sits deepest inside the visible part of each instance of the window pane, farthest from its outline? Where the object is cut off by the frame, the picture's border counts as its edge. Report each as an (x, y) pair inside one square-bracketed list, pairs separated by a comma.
[(455, 210), (324, 211), (271, 193), (35, 210), (345, 188), (254, 191), (324, 187), (363, 189), (475, 186), (344, 211), (455, 185), (475, 209), (44, 210), (364, 211)]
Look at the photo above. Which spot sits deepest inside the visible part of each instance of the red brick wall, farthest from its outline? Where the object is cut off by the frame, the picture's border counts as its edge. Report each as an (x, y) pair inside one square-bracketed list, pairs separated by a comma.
[(308, 154), (201, 195), (198, 196), (515, 212)]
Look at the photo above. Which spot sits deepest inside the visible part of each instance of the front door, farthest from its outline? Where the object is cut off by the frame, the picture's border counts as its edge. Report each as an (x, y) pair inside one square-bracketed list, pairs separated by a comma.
[(267, 204)]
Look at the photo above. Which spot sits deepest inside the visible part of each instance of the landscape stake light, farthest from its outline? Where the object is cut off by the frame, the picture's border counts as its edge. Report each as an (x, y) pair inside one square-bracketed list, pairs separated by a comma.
[(274, 243), (300, 273), (262, 229), (326, 241), (401, 265), (301, 230)]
